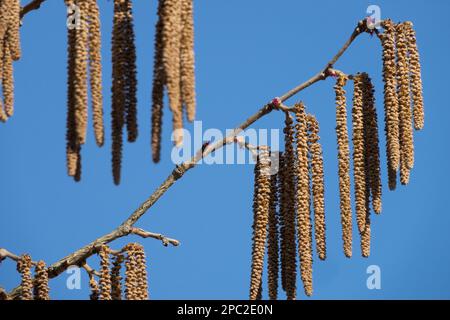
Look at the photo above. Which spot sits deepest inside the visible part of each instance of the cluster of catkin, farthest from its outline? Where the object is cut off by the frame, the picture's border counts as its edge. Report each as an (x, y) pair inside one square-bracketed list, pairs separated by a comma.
[(10, 51), (83, 67), (124, 83), (282, 209), (33, 288), (110, 283), (403, 100), (173, 69)]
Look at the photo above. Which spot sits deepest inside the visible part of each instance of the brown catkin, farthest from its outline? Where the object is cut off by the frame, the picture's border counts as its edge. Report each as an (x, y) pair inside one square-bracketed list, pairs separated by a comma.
[(171, 36), (272, 242), (303, 200), (130, 76), (158, 87), (318, 189), (12, 35), (41, 289), (116, 278), (287, 184), (3, 116), (95, 70), (24, 267), (141, 272), (105, 273), (343, 164), (415, 75), (131, 280), (359, 173), (187, 59), (95, 291), (80, 76), (8, 81), (371, 142), (405, 116), (261, 202), (391, 108)]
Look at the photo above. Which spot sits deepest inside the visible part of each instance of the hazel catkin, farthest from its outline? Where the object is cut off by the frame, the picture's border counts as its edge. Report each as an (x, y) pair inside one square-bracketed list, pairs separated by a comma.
[(8, 80), (303, 199), (260, 220), (41, 289), (141, 272), (317, 179), (116, 279), (131, 277), (343, 163), (12, 34), (24, 267), (105, 273), (272, 242)]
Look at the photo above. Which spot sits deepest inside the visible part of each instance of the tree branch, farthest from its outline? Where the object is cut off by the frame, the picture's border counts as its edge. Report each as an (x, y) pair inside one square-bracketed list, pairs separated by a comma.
[(32, 5), (127, 228)]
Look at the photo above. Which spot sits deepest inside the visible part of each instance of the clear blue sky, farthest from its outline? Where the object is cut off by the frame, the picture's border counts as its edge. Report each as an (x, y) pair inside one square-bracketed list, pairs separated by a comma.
[(247, 52)]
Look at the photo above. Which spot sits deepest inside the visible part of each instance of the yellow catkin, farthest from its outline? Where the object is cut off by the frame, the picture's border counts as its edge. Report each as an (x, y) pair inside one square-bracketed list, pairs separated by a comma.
[(80, 78), (118, 94), (287, 185), (41, 289), (131, 280), (272, 242), (95, 70), (105, 273), (359, 173), (24, 267), (415, 74), (158, 87), (371, 142), (318, 189), (391, 111), (130, 76), (343, 164), (187, 59), (171, 36), (8, 81), (405, 116), (95, 290), (12, 35), (116, 278), (141, 272), (303, 200), (261, 202)]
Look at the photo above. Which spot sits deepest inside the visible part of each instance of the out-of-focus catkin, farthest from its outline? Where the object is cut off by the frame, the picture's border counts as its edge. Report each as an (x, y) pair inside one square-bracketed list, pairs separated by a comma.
[(416, 76), (405, 116), (105, 273), (24, 267), (187, 60), (303, 199), (261, 203), (391, 107), (359, 173), (288, 245), (318, 189), (343, 163), (41, 289), (272, 242), (116, 278)]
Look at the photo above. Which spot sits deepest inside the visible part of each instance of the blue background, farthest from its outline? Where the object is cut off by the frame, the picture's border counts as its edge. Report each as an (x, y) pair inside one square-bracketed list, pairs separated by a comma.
[(247, 52)]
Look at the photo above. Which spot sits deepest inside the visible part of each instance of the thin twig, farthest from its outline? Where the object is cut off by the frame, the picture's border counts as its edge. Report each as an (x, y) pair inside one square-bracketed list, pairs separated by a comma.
[(32, 5), (145, 234)]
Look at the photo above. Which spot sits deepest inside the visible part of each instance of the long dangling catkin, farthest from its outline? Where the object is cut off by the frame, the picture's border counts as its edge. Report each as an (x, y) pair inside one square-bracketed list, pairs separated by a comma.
[(80, 77), (105, 273), (95, 70), (359, 175), (371, 142), (41, 289), (405, 116), (141, 272), (260, 221), (187, 60), (343, 163), (171, 36), (416, 77), (24, 267), (272, 243), (318, 189), (12, 35), (8, 81), (130, 77), (131, 280), (366, 233), (158, 87), (287, 184), (116, 278), (303, 200), (93, 285), (391, 108)]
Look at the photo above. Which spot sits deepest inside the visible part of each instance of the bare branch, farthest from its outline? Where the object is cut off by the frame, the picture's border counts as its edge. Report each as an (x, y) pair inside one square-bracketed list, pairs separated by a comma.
[(6, 254), (90, 271), (145, 234), (32, 5)]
